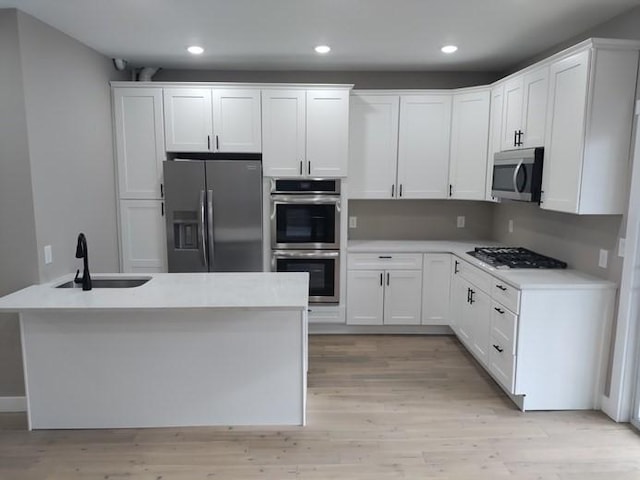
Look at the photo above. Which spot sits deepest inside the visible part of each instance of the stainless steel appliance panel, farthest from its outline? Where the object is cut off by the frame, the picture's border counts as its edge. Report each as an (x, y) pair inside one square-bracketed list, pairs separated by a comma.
[(184, 182), (517, 174), (234, 215)]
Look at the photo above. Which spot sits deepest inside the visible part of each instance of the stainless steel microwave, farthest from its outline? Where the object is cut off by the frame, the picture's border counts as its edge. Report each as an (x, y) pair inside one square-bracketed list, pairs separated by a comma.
[(517, 174)]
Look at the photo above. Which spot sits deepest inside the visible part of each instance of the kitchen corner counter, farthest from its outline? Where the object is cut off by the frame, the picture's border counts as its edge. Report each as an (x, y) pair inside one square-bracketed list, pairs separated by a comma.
[(523, 279), (169, 291)]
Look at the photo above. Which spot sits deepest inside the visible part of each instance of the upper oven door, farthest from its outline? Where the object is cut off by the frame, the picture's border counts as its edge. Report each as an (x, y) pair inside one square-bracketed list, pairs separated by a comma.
[(305, 222)]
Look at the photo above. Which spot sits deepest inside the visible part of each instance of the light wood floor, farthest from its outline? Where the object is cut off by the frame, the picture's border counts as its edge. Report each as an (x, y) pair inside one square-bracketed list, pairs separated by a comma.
[(380, 407)]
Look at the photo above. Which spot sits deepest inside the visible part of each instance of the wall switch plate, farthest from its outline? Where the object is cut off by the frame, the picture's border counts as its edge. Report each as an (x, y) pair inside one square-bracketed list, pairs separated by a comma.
[(510, 226), (48, 254), (353, 222), (461, 221), (604, 258), (621, 245)]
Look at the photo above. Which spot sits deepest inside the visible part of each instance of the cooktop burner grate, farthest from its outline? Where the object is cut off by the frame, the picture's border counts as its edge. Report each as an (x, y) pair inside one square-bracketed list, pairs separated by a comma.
[(514, 257)]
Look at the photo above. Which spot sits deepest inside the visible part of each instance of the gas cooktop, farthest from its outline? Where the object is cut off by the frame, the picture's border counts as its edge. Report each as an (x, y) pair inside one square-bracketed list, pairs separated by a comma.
[(514, 257)]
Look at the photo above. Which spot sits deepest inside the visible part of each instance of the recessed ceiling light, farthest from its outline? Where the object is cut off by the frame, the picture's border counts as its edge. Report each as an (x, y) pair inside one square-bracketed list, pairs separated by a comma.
[(195, 50), (323, 49), (449, 49)]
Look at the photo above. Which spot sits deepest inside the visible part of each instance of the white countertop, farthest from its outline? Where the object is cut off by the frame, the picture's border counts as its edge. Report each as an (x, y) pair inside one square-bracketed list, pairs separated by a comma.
[(520, 278), (169, 290)]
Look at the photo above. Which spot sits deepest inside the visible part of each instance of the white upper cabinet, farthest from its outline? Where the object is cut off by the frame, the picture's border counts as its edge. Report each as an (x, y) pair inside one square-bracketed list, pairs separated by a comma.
[(373, 145), (524, 110), (212, 120), (188, 119), (236, 120), (305, 132), (327, 132), (469, 142), (399, 146), (588, 132), (283, 132), (495, 134), (139, 142), (423, 146)]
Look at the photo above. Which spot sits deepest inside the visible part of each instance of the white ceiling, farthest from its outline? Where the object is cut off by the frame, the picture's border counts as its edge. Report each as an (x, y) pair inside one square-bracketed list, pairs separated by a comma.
[(364, 34)]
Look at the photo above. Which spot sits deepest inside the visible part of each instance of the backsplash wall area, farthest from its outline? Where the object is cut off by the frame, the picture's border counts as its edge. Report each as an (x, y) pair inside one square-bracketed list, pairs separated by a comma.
[(575, 239), (420, 220)]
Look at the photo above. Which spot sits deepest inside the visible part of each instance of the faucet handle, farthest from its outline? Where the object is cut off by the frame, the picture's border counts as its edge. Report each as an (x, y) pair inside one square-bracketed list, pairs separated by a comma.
[(76, 279)]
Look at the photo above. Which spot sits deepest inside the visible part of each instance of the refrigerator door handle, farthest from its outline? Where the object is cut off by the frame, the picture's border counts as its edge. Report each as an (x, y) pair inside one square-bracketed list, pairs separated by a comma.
[(203, 235), (210, 227)]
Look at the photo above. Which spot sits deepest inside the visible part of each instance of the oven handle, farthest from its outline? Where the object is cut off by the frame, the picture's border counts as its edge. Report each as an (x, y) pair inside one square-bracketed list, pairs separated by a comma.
[(305, 254), (312, 199)]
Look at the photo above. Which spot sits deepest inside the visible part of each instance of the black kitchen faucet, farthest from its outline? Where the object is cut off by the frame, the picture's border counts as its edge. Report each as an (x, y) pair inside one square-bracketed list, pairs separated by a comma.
[(82, 252)]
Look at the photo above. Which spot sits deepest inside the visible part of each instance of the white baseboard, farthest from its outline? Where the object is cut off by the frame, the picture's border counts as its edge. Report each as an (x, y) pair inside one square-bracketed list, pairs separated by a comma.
[(13, 404)]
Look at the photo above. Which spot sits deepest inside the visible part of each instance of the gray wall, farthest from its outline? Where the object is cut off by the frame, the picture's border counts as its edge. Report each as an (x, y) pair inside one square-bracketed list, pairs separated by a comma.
[(420, 220), (56, 161), (67, 99), (18, 265), (576, 239), (360, 79)]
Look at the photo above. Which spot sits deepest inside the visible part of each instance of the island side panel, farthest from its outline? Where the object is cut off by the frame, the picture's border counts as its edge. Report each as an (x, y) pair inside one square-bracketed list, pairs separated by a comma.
[(115, 369)]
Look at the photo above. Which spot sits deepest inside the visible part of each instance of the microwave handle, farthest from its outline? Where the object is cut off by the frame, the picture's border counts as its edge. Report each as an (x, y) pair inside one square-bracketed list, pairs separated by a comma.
[(515, 177)]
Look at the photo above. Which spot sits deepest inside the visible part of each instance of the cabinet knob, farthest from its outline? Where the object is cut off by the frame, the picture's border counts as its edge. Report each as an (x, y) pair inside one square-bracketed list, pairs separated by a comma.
[(497, 347), (501, 287), (393, 189), (499, 310)]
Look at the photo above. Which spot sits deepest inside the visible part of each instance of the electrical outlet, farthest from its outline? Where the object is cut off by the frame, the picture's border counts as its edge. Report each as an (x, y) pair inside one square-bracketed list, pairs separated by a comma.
[(461, 221), (353, 222), (48, 254), (604, 258), (621, 245), (510, 226)]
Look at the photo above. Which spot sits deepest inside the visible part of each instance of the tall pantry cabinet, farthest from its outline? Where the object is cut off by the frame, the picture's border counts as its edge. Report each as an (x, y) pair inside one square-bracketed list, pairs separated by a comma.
[(139, 134)]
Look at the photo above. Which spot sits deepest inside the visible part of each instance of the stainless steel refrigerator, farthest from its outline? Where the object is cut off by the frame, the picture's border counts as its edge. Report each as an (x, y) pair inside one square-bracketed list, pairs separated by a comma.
[(214, 215)]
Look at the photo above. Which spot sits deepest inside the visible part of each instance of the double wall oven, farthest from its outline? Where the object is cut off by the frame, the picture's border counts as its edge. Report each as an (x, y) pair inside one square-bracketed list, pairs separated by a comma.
[(305, 233)]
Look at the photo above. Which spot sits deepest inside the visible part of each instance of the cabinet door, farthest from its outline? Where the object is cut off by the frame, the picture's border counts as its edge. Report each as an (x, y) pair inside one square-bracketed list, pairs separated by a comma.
[(462, 319), (188, 119), (436, 281), (283, 132), (327, 132), (365, 297), (402, 297), (480, 323), (236, 120), (139, 141), (534, 108), (512, 113), (469, 141), (495, 134), (373, 145), (565, 132), (423, 146), (142, 236)]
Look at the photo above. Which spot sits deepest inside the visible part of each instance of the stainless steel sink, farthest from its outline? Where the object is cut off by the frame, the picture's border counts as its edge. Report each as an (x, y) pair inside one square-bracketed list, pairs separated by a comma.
[(108, 283)]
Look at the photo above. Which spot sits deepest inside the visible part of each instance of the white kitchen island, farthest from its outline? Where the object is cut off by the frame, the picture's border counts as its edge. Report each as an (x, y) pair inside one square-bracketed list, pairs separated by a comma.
[(180, 350)]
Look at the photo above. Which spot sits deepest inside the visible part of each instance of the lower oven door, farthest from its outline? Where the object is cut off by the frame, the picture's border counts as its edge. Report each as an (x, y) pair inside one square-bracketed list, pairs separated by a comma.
[(323, 268)]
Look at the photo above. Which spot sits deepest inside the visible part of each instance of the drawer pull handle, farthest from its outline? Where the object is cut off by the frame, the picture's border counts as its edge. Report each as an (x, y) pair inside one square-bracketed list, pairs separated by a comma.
[(499, 310), (501, 287), (385, 256), (498, 348)]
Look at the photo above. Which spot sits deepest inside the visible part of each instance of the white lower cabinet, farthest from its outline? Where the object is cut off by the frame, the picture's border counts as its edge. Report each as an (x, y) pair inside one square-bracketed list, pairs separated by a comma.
[(142, 236), (380, 293), (436, 284), (543, 345)]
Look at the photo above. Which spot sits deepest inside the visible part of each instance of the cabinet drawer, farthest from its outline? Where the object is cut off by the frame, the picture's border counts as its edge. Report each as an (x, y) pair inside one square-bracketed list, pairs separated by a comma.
[(502, 363), (504, 326), (505, 294), (384, 261), (475, 276)]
